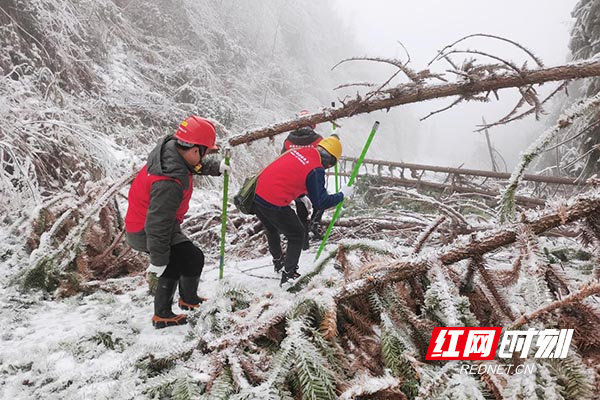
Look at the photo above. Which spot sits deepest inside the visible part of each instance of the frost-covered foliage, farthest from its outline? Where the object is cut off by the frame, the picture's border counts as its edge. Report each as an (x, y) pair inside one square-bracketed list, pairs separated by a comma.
[(330, 339), (444, 303), (584, 45), (80, 77), (572, 146), (576, 148), (556, 380), (357, 329), (88, 87), (573, 118)]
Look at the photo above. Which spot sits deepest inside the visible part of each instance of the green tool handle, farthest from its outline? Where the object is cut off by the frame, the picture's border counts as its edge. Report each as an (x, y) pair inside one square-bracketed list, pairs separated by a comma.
[(363, 154), (338, 208), (224, 213)]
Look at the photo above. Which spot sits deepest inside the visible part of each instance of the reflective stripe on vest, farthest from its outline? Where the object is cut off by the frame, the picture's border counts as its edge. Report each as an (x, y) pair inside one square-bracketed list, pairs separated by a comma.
[(139, 199), (289, 145), (284, 179)]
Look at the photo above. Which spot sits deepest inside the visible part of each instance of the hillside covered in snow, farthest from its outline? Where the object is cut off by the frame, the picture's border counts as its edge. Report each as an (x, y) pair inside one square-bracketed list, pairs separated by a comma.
[(87, 88)]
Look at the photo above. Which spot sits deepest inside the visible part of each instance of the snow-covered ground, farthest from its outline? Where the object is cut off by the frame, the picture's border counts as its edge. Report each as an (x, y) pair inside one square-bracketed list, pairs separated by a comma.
[(87, 346)]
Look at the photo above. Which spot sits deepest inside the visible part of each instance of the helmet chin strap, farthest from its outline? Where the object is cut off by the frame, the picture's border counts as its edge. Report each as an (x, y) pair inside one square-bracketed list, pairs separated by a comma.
[(197, 168)]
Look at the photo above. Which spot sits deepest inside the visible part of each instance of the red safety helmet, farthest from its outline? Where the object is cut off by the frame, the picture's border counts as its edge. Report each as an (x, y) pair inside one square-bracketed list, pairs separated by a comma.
[(197, 131)]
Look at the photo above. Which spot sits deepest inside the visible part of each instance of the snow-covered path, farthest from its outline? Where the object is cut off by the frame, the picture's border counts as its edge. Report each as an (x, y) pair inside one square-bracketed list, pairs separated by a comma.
[(87, 346)]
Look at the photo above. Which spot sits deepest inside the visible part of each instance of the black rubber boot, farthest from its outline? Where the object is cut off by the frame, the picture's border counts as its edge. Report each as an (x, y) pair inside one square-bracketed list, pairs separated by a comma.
[(188, 293), (163, 300)]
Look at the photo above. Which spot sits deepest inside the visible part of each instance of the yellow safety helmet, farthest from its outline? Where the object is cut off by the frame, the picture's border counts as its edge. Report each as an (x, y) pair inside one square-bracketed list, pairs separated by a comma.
[(333, 146)]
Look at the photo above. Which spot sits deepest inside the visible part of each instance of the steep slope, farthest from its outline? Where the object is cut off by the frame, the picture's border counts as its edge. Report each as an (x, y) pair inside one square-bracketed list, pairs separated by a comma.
[(88, 87)]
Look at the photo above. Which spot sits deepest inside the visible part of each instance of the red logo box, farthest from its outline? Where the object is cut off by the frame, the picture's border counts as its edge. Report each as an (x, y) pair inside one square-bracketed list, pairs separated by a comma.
[(478, 343)]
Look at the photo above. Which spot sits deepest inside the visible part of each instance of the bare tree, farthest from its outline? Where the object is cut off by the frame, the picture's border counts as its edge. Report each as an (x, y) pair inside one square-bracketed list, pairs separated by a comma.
[(416, 92)]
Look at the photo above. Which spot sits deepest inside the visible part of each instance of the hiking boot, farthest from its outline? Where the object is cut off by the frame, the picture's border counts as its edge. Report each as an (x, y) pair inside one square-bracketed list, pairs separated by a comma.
[(163, 300), (288, 277), (278, 263)]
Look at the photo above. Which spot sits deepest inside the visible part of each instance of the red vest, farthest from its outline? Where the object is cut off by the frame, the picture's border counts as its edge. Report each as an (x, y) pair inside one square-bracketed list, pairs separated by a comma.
[(284, 179), (139, 199)]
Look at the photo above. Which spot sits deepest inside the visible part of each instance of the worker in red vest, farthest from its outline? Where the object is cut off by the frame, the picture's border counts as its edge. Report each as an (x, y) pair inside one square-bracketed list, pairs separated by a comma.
[(296, 172), (303, 137), (158, 200)]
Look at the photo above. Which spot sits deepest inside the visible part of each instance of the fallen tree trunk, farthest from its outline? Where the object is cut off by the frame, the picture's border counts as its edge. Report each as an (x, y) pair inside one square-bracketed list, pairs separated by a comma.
[(443, 187), (581, 208), (562, 180), (407, 225), (413, 93), (392, 224)]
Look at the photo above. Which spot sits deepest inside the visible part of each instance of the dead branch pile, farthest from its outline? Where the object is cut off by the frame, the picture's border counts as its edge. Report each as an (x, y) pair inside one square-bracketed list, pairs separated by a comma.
[(73, 241), (380, 313)]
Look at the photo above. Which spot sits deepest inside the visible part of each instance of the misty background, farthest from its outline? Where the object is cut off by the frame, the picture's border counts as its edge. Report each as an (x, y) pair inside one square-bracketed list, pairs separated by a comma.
[(122, 74), (424, 28)]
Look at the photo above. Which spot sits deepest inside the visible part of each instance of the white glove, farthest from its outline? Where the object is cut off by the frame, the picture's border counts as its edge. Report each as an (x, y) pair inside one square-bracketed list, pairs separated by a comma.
[(348, 191), (306, 201), (157, 269), (224, 167)]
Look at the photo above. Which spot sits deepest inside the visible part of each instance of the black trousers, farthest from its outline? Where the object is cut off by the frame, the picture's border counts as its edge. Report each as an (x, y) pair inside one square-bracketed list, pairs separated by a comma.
[(283, 221), (185, 260), (302, 212)]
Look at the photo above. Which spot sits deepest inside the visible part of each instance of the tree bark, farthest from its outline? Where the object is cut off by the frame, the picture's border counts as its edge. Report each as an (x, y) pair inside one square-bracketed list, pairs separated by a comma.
[(411, 93)]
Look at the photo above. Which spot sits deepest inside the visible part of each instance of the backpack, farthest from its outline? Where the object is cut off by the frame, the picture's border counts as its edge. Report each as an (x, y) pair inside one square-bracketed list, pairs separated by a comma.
[(244, 199)]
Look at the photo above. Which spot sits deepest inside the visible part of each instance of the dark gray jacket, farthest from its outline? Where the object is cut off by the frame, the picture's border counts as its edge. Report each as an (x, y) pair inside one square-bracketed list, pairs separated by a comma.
[(302, 137), (162, 230)]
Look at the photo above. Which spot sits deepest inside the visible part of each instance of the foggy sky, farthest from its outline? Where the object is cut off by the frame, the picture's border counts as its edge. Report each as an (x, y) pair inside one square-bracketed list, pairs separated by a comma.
[(426, 26)]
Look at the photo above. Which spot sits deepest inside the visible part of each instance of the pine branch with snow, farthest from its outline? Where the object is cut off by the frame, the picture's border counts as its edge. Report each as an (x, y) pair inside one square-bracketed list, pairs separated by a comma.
[(507, 202), (445, 305)]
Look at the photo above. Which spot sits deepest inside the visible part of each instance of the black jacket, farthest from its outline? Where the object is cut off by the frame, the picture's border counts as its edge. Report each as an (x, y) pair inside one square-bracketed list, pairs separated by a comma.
[(303, 137)]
